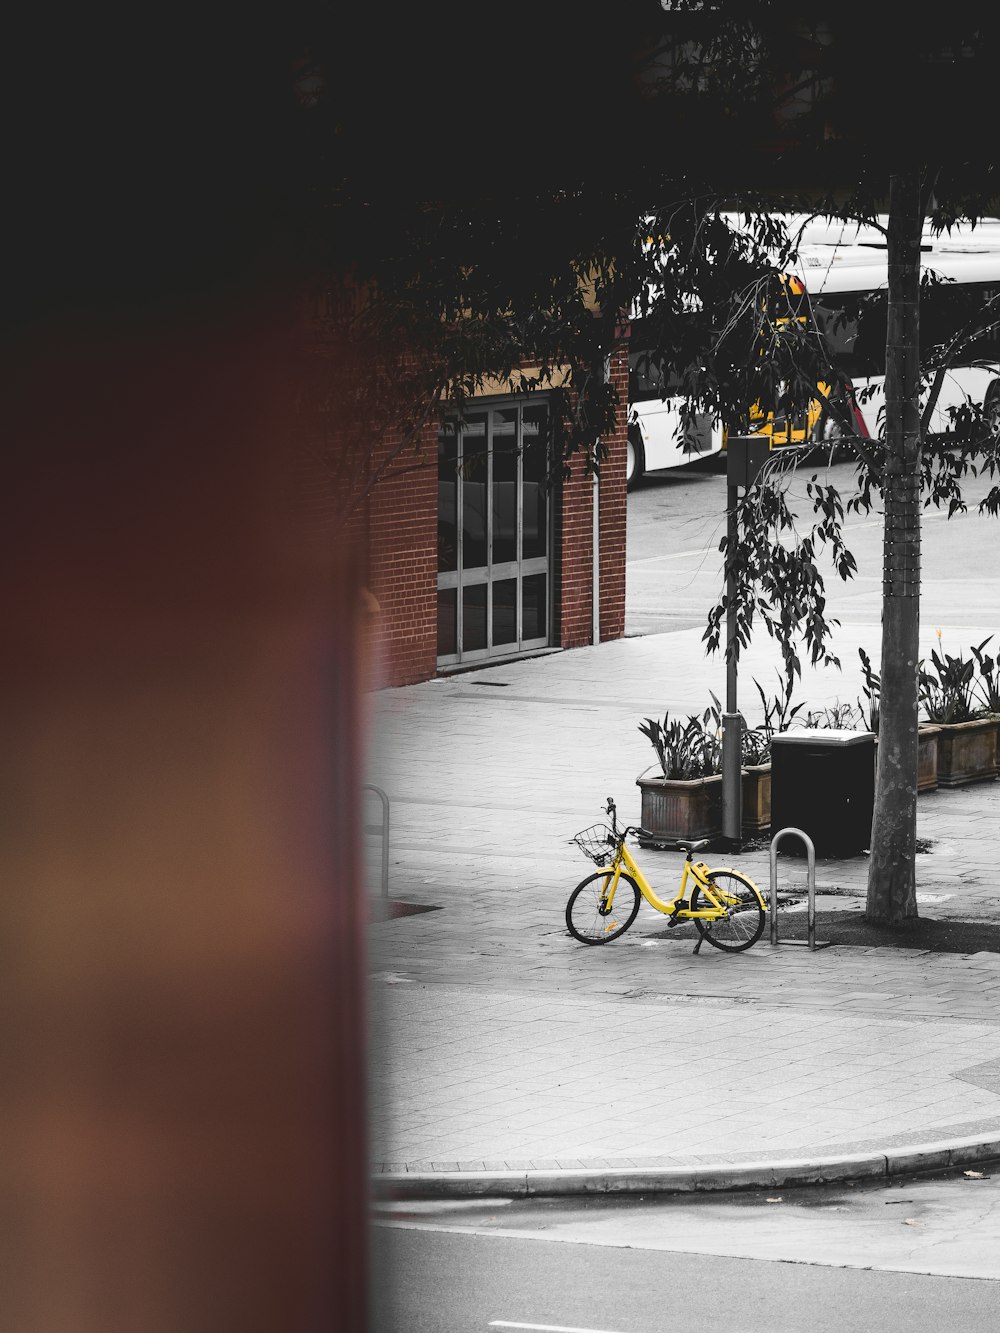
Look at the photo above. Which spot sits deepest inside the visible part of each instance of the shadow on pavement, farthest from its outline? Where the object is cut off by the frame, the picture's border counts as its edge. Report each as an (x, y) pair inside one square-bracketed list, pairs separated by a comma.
[(850, 927)]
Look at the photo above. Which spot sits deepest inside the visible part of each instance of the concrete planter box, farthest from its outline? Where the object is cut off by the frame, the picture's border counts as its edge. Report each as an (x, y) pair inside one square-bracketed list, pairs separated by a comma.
[(756, 799), (966, 751), (927, 756), (674, 810)]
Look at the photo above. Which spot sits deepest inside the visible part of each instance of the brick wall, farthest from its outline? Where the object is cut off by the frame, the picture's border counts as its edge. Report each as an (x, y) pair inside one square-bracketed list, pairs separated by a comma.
[(575, 527), (402, 566), (613, 508), (401, 522)]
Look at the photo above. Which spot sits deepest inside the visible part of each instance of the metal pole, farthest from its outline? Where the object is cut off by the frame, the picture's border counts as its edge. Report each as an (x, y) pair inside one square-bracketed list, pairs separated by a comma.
[(595, 603), (811, 889), (604, 376), (383, 829), (732, 725)]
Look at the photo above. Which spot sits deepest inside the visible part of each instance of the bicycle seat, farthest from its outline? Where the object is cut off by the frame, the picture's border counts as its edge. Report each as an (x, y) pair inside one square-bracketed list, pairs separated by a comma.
[(690, 847)]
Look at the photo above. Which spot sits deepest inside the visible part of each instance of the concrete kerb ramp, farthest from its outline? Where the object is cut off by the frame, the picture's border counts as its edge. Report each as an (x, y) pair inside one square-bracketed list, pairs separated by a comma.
[(815, 1170)]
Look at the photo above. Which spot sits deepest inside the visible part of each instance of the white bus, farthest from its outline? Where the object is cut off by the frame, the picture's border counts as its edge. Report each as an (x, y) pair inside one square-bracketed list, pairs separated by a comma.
[(657, 437), (843, 264)]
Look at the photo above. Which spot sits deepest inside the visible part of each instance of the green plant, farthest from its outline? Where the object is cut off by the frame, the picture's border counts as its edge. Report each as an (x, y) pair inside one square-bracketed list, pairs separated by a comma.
[(778, 715), (778, 710), (987, 687), (872, 691), (946, 690), (686, 750), (841, 717), (755, 748)]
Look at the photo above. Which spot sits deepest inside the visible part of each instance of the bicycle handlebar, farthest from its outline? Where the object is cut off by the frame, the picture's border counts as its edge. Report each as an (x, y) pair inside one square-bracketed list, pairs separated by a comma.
[(620, 834)]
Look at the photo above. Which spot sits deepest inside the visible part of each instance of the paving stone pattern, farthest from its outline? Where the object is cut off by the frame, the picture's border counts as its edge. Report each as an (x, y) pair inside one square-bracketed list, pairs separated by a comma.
[(498, 1042)]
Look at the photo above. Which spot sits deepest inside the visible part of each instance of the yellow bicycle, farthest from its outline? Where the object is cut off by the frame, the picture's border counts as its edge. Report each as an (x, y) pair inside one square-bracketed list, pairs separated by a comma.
[(726, 906)]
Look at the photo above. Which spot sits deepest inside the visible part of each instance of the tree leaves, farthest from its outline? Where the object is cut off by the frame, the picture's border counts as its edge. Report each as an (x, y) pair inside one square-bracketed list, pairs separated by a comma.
[(774, 571)]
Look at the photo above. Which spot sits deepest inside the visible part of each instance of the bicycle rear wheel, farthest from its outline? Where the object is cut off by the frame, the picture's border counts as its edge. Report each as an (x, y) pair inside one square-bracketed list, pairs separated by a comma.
[(584, 916), (743, 923)]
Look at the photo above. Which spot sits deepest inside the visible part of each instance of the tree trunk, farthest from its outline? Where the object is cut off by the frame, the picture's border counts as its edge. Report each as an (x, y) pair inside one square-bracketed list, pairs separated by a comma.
[(891, 877)]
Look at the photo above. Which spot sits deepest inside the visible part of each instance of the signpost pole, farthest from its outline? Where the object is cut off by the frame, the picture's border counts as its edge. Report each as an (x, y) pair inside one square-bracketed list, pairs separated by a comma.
[(732, 723), (745, 456)]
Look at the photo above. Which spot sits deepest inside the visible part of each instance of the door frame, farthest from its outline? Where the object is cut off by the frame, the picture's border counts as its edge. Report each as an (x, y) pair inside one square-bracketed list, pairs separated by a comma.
[(492, 573)]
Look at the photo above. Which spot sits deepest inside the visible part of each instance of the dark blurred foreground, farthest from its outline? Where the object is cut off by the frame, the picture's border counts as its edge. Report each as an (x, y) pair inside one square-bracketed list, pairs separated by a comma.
[(182, 1137)]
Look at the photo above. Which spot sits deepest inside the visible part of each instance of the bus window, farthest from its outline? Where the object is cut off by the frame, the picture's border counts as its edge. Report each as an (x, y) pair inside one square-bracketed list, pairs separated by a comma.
[(659, 437)]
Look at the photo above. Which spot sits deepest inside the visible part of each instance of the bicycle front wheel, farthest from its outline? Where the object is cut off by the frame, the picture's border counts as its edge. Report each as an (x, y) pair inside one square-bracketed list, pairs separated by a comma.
[(743, 923), (587, 917)]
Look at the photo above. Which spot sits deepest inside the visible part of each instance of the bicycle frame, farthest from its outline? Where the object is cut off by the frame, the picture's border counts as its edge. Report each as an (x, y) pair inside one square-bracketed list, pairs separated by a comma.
[(696, 870)]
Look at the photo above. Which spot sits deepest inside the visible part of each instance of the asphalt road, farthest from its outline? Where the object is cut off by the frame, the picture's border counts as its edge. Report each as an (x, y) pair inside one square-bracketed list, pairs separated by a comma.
[(921, 1255), (676, 520)]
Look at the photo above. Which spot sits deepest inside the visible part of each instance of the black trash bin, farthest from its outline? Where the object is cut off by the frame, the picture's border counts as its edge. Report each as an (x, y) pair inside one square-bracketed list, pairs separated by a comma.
[(823, 782)]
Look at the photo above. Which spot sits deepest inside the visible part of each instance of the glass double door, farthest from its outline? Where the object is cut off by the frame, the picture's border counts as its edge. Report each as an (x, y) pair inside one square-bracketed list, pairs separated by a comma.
[(494, 527)]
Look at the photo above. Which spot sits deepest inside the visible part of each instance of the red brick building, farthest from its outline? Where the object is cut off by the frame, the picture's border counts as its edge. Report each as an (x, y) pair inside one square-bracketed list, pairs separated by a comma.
[(472, 559)]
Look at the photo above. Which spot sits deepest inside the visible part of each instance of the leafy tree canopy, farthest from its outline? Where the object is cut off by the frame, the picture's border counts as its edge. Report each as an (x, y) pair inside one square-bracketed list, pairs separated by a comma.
[(471, 199)]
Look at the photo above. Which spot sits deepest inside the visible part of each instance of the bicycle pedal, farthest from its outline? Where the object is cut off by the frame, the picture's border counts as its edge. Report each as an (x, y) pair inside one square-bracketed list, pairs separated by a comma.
[(675, 920)]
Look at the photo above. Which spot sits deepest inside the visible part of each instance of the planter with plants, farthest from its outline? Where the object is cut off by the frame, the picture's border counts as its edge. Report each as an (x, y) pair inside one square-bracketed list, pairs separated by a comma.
[(986, 688), (683, 800), (927, 732), (952, 699), (756, 783)]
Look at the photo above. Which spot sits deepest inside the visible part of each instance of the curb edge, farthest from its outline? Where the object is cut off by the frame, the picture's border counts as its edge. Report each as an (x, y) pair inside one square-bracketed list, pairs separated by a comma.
[(400, 1185)]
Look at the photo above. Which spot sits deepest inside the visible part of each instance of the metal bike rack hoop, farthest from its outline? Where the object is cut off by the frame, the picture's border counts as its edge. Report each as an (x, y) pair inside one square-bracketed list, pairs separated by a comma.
[(811, 872), (383, 829)]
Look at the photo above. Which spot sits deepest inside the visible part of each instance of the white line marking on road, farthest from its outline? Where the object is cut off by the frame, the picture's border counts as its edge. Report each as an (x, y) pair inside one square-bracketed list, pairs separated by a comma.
[(674, 555), (547, 1328)]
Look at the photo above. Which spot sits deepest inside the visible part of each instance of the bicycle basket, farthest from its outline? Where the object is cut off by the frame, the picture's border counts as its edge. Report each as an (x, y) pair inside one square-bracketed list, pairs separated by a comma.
[(597, 842)]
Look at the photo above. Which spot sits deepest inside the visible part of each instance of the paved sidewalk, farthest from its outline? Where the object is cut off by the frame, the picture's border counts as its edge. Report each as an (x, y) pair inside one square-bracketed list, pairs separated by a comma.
[(508, 1058)]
